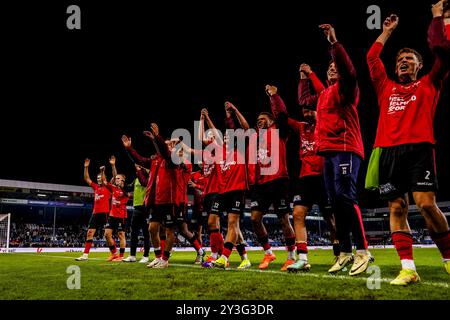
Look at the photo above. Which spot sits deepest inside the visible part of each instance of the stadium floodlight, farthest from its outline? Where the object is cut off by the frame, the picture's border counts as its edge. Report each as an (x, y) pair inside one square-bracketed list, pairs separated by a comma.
[(41, 195), (5, 224)]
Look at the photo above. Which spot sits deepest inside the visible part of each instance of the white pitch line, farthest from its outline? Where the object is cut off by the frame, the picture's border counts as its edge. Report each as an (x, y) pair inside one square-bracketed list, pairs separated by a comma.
[(301, 274)]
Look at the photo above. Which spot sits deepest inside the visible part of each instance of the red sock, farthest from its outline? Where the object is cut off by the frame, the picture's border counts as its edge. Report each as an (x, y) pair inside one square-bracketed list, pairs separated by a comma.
[(227, 249), (442, 241), (87, 246), (113, 249), (403, 244), (213, 242), (163, 244), (226, 252), (220, 243), (290, 243), (196, 245), (166, 255), (302, 247)]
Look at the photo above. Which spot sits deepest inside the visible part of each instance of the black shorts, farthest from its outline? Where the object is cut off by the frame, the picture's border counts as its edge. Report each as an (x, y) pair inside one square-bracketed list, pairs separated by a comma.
[(140, 217), (229, 202), (98, 220), (274, 193), (311, 190), (208, 202), (199, 217), (116, 224), (168, 215), (405, 168)]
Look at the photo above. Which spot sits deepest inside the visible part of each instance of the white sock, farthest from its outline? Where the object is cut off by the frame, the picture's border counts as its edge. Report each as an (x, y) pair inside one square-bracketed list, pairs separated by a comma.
[(244, 257), (269, 251), (200, 251), (85, 255), (445, 260), (214, 255), (361, 251), (291, 255), (303, 256), (408, 264), (346, 253), (133, 257)]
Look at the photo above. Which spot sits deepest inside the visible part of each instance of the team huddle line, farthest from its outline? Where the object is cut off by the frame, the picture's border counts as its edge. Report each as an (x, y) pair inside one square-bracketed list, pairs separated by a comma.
[(251, 163)]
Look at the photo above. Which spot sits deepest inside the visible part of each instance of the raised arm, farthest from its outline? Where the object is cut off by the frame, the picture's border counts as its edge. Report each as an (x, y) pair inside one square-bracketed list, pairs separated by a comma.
[(160, 144), (152, 134), (86, 171), (230, 108), (141, 175), (376, 67), (279, 110), (439, 45), (389, 25), (305, 96), (211, 126), (112, 162), (143, 161), (201, 128), (347, 72), (103, 177)]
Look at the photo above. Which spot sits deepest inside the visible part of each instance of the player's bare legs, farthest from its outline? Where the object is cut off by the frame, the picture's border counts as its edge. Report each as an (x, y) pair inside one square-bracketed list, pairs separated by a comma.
[(230, 240), (156, 242), (111, 244), (191, 238), (122, 243), (216, 239), (301, 239), (331, 224), (436, 223), (263, 238), (289, 238), (240, 247)]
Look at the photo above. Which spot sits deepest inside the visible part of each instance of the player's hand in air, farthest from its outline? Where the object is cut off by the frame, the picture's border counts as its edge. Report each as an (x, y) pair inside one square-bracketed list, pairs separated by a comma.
[(87, 162), (148, 134), (112, 160), (138, 167), (271, 90), (437, 9), (102, 169), (126, 141), (390, 23), (204, 113), (305, 71), (154, 129), (329, 32), (229, 109)]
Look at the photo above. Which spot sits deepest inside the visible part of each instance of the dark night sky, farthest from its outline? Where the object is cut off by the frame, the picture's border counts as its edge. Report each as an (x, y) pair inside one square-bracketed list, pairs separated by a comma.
[(67, 95)]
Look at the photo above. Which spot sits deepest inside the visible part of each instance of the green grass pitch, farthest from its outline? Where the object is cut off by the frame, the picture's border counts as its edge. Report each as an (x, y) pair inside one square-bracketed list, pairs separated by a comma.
[(44, 276)]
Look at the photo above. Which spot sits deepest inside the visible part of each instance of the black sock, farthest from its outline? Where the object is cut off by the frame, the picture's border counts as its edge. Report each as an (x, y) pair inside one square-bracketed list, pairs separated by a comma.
[(241, 249), (336, 249), (166, 255)]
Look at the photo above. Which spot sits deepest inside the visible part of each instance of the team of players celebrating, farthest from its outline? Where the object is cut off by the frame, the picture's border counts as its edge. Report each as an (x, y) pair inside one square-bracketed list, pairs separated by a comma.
[(331, 153)]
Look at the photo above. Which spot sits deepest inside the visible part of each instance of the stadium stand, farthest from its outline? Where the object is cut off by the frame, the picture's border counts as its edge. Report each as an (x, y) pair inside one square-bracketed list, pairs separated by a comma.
[(50, 215)]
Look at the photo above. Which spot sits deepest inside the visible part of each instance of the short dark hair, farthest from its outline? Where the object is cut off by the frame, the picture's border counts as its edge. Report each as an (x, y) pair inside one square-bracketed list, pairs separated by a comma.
[(309, 107), (266, 114), (409, 50)]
